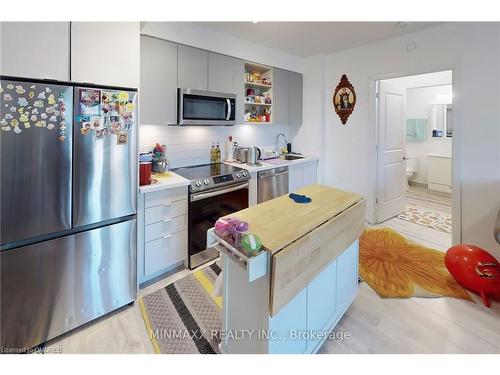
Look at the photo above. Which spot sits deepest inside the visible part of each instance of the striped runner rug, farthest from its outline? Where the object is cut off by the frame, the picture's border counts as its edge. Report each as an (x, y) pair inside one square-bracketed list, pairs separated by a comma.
[(184, 317)]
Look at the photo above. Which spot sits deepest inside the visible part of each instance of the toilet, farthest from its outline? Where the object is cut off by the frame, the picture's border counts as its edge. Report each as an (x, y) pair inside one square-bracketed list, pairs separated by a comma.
[(411, 168)]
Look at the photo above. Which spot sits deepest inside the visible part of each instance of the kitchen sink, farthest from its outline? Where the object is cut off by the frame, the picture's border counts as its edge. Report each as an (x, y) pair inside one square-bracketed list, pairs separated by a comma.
[(292, 157)]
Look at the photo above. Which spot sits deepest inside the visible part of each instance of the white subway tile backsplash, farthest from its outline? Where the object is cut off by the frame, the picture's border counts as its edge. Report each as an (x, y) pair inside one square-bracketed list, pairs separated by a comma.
[(191, 145)]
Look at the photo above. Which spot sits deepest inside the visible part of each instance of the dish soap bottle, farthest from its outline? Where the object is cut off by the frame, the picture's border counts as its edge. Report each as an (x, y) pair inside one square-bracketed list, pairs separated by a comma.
[(217, 153)]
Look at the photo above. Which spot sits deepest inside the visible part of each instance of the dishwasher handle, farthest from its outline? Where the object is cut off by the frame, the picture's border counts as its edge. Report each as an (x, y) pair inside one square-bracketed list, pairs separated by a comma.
[(273, 172)]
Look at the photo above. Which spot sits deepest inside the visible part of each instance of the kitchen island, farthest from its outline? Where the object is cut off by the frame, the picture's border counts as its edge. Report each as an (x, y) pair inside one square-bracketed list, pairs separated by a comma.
[(288, 297)]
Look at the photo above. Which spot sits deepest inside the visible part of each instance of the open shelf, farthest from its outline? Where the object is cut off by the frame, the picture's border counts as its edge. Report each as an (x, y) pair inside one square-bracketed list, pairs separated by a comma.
[(258, 123), (264, 104), (255, 84)]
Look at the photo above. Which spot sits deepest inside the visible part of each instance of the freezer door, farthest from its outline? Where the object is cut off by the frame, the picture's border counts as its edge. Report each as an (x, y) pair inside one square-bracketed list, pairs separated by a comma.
[(105, 155), (35, 162), (52, 287)]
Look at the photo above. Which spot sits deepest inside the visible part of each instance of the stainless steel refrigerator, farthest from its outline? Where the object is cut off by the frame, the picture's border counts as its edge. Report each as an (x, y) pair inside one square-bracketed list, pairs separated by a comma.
[(68, 207)]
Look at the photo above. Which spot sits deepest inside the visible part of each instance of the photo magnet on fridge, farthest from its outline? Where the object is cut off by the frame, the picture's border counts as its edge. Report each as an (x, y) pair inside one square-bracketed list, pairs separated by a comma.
[(122, 139), (90, 101)]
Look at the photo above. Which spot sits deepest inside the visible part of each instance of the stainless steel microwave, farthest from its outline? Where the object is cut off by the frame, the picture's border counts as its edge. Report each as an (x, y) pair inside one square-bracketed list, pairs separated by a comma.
[(197, 107)]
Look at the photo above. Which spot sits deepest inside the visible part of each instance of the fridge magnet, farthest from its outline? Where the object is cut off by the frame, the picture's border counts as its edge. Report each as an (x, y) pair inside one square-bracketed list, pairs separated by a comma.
[(48, 90), (50, 109), (20, 110), (1, 89), (3, 122), (43, 116), (50, 126), (53, 118), (41, 124), (17, 130), (20, 89), (7, 97), (123, 96), (10, 86), (31, 94), (38, 103), (122, 139), (13, 109), (24, 118), (42, 96), (27, 125), (115, 128), (62, 138), (344, 99), (14, 123), (32, 86), (85, 130), (6, 128), (129, 107), (33, 118), (60, 96), (35, 111), (83, 118), (99, 134), (51, 100), (96, 123), (9, 116), (22, 102), (90, 101)]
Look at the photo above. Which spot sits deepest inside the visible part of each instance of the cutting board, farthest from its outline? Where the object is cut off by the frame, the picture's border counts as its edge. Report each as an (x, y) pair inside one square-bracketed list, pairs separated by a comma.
[(281, 221)]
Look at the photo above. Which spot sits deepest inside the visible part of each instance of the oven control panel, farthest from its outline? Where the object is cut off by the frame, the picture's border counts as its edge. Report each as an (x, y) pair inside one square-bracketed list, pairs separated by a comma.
[(216, 181)]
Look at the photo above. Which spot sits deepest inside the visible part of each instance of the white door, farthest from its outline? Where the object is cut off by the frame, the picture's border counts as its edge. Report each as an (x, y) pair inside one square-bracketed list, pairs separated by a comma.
[(391, 181)]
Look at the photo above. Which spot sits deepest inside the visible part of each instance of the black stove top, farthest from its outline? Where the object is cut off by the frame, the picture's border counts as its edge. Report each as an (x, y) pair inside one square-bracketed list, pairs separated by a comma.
[(197, 172), (209, 176)]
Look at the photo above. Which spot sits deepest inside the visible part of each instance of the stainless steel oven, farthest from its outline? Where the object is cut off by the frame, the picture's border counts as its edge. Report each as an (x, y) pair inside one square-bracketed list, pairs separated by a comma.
[(196, 107), (204, 209)]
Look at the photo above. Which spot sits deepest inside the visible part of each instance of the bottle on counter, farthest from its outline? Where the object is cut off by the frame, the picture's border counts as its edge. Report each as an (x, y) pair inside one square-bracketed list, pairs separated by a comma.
[(217, 154), (212, 153)]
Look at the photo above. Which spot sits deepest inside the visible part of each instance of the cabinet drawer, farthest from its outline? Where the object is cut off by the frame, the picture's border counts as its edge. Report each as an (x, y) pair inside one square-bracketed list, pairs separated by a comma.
[(165, 252), (159, 197), (165, 227), (165, 211)]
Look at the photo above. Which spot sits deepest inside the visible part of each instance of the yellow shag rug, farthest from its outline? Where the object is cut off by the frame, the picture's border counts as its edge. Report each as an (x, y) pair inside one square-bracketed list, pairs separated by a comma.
[(398, 268)]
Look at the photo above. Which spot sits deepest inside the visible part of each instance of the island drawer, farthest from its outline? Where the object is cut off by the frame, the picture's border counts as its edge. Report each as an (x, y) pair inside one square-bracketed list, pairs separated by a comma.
[(157, 198), (165, 227), (166, 211), (165, 252)]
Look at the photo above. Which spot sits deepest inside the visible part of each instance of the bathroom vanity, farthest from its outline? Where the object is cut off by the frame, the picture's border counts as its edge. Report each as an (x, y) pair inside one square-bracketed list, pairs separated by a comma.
[(288, 297)]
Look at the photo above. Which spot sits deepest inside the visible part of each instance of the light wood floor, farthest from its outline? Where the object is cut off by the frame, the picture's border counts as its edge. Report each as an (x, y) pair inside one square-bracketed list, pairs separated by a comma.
[(375, 325)]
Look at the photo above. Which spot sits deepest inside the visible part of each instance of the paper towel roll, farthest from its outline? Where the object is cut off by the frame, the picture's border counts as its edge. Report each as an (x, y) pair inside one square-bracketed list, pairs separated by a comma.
[(229, 151)]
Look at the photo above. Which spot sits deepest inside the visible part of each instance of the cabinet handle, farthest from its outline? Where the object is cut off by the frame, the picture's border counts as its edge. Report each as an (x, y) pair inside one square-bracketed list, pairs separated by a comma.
[(167, 237)]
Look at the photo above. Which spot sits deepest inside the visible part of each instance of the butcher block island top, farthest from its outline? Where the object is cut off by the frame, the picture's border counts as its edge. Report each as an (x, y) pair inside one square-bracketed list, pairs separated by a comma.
[(281, 221)]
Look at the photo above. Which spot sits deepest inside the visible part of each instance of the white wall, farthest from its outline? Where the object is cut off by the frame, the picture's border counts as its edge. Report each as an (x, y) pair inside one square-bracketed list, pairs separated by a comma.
[(191, 145), (472, 50), (419, 101)]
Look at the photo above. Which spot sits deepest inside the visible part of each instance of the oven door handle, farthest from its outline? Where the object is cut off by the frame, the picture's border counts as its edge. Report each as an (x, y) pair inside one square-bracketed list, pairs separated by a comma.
[(228, 116), (199, 196)]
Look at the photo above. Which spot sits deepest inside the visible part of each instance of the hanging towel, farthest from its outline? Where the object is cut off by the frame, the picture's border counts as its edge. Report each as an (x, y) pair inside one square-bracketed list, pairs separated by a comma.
[(416, 130)]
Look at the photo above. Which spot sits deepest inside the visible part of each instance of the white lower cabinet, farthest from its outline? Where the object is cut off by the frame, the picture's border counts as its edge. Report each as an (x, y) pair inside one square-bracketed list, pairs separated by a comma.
[(164, 252), (302, 174), (162, 232)]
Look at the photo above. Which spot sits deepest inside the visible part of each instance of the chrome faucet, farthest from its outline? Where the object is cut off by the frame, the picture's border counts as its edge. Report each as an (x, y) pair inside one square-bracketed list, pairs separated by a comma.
[(278, 142)]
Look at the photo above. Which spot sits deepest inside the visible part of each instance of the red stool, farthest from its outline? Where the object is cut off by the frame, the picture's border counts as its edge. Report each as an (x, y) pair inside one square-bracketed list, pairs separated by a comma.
[(474, 269)]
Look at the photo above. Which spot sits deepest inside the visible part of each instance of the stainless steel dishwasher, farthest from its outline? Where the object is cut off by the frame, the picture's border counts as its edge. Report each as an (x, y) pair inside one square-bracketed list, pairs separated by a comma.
[(272, 183)]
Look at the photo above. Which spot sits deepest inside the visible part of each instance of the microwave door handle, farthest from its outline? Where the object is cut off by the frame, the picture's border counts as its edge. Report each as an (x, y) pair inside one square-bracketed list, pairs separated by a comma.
[(228, 116)]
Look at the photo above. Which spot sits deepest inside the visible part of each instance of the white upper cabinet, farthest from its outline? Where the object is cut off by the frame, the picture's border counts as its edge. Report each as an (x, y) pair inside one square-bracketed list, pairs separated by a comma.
[(192, 68), (158, 89), (35, 50), (105, 53)]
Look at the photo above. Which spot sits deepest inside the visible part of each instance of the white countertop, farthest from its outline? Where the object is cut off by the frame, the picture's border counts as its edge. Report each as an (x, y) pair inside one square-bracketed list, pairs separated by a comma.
[(173, 180), (265, 165)]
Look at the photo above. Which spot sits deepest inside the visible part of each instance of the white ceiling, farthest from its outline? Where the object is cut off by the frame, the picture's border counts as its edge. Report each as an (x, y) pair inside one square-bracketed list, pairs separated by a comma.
[(312, 38)]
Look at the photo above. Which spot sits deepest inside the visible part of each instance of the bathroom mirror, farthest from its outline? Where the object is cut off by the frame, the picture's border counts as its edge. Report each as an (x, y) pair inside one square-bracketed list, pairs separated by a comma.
[(442, 120)]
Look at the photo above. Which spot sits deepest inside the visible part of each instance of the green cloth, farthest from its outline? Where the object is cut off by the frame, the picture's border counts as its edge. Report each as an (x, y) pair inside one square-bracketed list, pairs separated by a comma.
[(416, 130)]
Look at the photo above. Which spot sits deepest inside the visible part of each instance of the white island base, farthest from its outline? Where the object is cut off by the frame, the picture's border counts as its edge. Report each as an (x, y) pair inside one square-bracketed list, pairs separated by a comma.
[(302, 325)]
